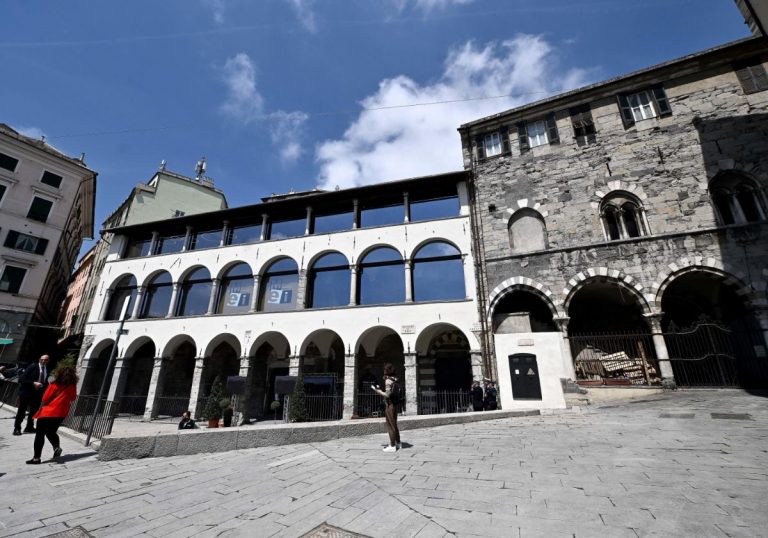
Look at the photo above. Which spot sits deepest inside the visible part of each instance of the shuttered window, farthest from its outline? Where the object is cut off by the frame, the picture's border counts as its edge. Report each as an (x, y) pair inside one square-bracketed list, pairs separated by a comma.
[(643, 105), (752, 76), (583, 125), (537, 133)]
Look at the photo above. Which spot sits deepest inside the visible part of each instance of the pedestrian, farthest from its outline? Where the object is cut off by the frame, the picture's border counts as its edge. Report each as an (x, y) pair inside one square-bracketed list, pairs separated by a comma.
[(392, 396), (477, 396), (490, 396), (186, 421), (55, 407), (32, 385)]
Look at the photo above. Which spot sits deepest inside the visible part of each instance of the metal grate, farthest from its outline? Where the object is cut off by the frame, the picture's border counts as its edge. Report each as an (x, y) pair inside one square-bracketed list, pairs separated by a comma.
[(732, 416), (329, 531)]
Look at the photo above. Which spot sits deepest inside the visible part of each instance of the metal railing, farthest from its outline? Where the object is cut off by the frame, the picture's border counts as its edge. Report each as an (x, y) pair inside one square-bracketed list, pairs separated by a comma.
[(169, 408), (615, 359), (320, 407), (9, 392), (444, 401), (369, 404), (81, 415)]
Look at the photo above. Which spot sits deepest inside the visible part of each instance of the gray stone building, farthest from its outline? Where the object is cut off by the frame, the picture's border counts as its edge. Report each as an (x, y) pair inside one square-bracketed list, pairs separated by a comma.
[(623, 225)]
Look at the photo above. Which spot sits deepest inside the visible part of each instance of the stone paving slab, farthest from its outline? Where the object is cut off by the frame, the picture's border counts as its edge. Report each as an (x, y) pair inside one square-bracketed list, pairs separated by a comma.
[(617, 471)]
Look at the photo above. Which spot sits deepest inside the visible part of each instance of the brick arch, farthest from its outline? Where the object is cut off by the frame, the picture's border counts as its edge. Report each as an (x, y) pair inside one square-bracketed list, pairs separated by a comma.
[(618, 185), (525, 203), (734, 279), (603, 274), (525, 284)]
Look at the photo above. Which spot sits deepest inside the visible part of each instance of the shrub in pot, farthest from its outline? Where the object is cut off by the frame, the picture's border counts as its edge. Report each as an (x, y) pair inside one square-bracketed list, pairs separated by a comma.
[(212, 410), (226, 411)]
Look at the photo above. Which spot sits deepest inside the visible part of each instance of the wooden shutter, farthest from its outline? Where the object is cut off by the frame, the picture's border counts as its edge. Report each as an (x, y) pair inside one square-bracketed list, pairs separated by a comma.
[(745, 79), (42, 244), (660, 98), (11, 238), (504, 135), (522, 134), (626, 110), (760, 77), (479, 144), (552, 134)]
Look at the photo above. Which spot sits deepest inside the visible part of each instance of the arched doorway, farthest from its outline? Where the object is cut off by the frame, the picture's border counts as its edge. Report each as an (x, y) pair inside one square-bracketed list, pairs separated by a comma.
[(223, 361), (97, 370), (323, 373), (444, 370), (375, 348), (711, 333), (175, 382), (610, 338), (269, 358), (137, 367)]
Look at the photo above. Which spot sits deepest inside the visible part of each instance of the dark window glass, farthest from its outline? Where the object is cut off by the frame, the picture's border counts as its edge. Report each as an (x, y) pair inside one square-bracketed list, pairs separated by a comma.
[(382, 216), (336, 222), (629, 212), (240, 235), (170, 244), (283, 229), (436, 208), (612, 222), (138, 247), (207, 239), (381, 277), (195, 293), (157, 297), (329, 282), (40, 209), (7, 162), (10, 282), (49, 178), (438, 273), (125, 288), (722, 202), (27, 243), (279, 285), (2, 191), (236, 290), (748, 202)]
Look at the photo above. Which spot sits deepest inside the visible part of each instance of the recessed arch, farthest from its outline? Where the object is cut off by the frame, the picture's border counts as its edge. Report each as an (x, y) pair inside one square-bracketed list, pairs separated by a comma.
[(235, 293), (596, 274), (175, 342), (523, 283), (276, 339), (527, 231), (137, 343), (229, 338)]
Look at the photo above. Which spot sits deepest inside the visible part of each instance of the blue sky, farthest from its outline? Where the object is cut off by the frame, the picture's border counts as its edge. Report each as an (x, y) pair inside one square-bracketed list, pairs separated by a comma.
[(281, 94)]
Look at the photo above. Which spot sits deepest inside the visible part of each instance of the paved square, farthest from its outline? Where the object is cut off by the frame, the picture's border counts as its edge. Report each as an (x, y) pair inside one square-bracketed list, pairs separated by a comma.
[(659, 467)]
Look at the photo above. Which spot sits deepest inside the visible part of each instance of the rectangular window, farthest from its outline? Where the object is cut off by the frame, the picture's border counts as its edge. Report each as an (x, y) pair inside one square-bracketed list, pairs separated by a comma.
[(434, 208), (8, 163), (381, 215), (335, 222), (283, 229), (240, 235), (205, 239), (2, 191), (492, 144), (170, 244), (643, 105), (537, 133), (40, 209), (138, 248), (751, 75), (11, 280), (49, 178), (583, 125), (26, 243)]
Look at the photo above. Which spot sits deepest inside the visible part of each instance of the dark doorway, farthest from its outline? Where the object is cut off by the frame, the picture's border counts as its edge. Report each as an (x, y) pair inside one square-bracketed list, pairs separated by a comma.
[(524, 369)]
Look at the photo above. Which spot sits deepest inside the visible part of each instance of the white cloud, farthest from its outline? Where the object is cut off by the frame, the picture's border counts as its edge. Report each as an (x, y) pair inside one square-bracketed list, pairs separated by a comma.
[(428, 5), (305, 12), (396, 143), (217, 9), (31, 132), (245, 105)]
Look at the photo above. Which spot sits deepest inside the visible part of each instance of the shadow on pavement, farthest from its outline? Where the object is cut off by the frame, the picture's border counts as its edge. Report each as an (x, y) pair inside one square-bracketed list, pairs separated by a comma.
[(72, 457)]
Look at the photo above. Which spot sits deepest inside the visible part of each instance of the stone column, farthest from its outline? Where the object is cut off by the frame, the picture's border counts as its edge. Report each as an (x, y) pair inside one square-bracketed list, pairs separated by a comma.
[(105, 305), (155, 389), (263, 235), (294, 364), (353, 285), (187, 239), (408, 281), (350, 384), (224, 233), (622, 225), (137, 303), (355, 214), (411, 384), (197, 380), (214, 295), (604, 226), (662, 355), (244, 400), (255, 294), (118, 378), (407, 207), (308, 226), (301, 292), (568, 365), (172, 304)]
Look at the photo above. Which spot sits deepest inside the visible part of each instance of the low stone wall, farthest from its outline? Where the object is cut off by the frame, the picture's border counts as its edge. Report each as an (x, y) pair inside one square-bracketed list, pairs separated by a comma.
[(115, 447), (598, 395)]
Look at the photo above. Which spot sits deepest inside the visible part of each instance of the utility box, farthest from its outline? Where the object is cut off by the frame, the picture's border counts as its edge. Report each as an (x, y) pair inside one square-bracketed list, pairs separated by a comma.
[(524, 371)]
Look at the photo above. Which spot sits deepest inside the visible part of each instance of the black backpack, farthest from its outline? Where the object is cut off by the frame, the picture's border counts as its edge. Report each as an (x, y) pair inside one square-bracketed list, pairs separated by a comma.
[(396, 395)]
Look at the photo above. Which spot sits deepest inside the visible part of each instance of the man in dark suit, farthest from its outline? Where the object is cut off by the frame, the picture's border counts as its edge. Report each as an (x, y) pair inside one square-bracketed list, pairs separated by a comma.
[(32, 385)]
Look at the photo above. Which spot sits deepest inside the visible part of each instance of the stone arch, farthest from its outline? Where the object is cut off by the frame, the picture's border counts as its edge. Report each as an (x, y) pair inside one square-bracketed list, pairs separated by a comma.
[(444, 369), (375, 347), (229, 265), (749, 169), (273, 260), (410, 255), (604, 274), (136, 344), (524, 203), (228, 338), (115, 281), (525, 284), (192, 268), (96, 349), (322, 253), (154, 274), (527, 231), (618, 185), (175, 342), (276, 339), (97, 369)]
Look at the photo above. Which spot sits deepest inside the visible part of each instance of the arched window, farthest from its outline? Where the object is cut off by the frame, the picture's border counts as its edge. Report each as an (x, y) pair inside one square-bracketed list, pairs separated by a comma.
[(279, 286), (737, 199), (125, 287), (438, 273), (157, 297), (236, 290), (527, 231), (623, 216), (195, 293), (328, 283), (381, 277)]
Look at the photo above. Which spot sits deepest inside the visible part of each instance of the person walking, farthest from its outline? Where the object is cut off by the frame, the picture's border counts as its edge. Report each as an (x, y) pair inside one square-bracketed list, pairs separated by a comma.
[(490, 396), (477, 396), (55, 407), (392, 396), (32, 385)]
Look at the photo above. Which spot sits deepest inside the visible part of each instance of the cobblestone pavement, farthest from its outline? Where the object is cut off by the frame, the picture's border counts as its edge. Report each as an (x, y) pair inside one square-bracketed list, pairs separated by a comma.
[(681, 464)]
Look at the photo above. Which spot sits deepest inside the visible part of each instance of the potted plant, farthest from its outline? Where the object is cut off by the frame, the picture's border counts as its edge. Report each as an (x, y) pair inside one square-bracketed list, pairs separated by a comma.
[(298, 402), (226, 411), (212, 410), (274, 406)]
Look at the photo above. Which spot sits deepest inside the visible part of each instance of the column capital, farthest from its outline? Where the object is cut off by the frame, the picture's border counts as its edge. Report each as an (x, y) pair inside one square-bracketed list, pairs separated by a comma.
[(654, 320), (562, 322)]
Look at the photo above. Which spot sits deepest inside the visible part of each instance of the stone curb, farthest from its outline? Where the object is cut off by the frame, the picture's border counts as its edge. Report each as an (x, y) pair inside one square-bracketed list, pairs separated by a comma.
[(116, 447)]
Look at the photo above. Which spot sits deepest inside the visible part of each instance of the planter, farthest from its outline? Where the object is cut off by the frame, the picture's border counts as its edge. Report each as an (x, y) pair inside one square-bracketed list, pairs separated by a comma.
[(213, 423)]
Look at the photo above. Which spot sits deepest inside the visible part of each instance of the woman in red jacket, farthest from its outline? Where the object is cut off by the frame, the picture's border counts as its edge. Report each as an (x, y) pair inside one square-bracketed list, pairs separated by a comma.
[(53, 410)]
